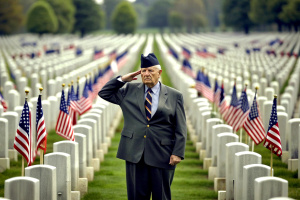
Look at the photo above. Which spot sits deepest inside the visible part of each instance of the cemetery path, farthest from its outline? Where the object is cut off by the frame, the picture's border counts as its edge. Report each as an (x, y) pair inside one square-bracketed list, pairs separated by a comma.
[(190, 181)]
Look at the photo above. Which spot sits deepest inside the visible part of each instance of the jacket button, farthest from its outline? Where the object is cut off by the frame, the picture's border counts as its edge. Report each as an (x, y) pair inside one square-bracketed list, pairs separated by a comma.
[(144, 136), (148, 125)]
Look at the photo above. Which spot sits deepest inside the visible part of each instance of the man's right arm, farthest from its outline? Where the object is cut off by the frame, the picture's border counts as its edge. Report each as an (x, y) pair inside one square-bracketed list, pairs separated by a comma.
[(111, 91)]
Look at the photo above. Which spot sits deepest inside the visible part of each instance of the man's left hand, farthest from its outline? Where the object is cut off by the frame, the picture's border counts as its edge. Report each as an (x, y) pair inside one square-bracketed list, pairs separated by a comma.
[(174, 160)]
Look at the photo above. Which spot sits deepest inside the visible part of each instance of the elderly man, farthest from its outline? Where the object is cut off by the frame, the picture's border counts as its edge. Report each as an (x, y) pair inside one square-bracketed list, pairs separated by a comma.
[(154, 134)]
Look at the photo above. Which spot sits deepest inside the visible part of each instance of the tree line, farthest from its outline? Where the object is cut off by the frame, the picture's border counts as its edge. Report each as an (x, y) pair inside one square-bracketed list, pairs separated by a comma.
[(85, 16)]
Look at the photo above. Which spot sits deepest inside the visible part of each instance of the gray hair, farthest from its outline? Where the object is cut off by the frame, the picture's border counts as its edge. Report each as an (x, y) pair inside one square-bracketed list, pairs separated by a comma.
[(157, 67)]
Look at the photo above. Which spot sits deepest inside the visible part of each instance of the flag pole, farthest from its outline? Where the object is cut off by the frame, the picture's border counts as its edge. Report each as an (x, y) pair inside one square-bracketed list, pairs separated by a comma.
[(271, 160), (256, 89), (23, 168), (241, 136), (275, 97), (41, 150), (241, 132)]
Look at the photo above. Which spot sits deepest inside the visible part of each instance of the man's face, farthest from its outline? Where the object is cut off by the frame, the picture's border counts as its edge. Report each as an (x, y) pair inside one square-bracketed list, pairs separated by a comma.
[(150, 76)]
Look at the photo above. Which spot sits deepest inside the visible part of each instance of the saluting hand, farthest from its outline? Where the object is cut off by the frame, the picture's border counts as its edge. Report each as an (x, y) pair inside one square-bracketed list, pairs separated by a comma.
[(131, 76), (174, 160)]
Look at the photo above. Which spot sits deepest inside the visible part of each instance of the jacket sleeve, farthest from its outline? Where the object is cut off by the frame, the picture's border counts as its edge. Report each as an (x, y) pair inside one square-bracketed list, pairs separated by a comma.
[(180, 129), (112, 91)]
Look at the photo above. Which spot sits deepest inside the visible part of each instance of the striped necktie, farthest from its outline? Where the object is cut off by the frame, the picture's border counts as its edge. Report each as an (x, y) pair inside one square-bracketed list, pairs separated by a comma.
[(148, 104)]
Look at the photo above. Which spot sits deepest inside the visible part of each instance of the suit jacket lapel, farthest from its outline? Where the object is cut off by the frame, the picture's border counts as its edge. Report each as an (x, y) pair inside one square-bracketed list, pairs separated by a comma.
[(163, 95), (140, 93)]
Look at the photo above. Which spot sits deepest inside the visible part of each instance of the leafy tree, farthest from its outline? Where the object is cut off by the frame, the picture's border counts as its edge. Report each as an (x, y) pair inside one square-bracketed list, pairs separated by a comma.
[(88, 16), (291, 13), (64, 11), (266, 11), (124, 19), (212, 12), (10, 16), (176, 20), (158, 14), (259, 12), (109, 7), (141, 11), (26, 4), (275, 8), (41, 18), (193, 13), (235, 14)]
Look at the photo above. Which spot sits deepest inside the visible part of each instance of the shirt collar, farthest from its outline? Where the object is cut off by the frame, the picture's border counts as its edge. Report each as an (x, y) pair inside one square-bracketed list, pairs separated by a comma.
[(154, 89)]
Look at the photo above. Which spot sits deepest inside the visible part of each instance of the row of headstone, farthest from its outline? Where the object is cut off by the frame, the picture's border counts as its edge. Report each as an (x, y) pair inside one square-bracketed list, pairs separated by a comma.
[(75, 162), (230, 163), (234, 169)]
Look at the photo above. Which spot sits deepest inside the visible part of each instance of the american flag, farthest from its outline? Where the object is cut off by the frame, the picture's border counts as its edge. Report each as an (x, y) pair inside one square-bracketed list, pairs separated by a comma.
[(187, 68), (241, 113), (206, 89), (217, 93), (253, 125), (40, 127), (107, 74), (64, 125), (199, 81), (173, 53), (121, 59), (98, 53), (3, 102), (232, 106), (84, 103), (23, 138), (186, 53), (273, 136), (77, 92), (223, 106), (73, 106)]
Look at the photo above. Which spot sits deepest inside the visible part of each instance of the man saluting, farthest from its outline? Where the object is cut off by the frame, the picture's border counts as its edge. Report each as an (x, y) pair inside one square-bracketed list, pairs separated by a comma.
[(154, 133)]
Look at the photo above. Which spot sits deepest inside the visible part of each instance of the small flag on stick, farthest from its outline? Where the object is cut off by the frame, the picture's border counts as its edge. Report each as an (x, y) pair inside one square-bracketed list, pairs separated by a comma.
[(40, 125), (253, 125), (23, 138), (64, 125), (273, 141), (3, 102)]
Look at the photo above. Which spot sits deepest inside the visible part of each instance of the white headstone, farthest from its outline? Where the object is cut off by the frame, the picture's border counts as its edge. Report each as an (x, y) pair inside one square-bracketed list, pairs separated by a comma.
[(22, 188), (216, 129), (87, 131), (268, 187), (242, 159), (93, 124), (231, 149), (47, 176), (54, 105), (293, 130), (210, 123), (13, 121), (4, 138), (222, 140), (81, 140), (97, 118), (62, 162), (251, 172), (282, 124), (14, 100), (72, 149)]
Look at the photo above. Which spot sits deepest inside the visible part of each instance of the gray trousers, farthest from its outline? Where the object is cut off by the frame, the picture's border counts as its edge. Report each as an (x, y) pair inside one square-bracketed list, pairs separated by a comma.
[(142, 180)]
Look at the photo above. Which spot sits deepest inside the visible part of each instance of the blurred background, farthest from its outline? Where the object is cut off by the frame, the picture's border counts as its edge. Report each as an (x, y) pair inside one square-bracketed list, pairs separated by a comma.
[(134, 16)]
